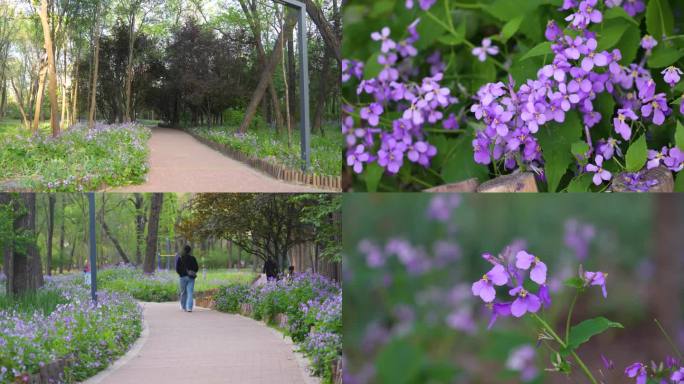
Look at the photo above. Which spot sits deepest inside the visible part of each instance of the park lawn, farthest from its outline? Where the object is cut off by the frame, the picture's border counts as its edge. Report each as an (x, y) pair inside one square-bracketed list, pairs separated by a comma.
[(163, 285), (264, 143), (78, 159)]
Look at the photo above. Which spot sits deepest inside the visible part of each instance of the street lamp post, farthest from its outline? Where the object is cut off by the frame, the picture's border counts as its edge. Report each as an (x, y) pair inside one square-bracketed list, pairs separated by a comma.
[(93, 248), (305, 122)]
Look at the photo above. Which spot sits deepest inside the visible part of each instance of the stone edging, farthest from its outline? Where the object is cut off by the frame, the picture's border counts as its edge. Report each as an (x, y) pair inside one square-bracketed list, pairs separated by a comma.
[(333, 183)]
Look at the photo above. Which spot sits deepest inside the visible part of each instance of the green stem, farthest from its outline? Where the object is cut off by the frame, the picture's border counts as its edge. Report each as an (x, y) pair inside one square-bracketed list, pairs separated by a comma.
[(667, 337), (579, 361), (467, 6), (569, 318)]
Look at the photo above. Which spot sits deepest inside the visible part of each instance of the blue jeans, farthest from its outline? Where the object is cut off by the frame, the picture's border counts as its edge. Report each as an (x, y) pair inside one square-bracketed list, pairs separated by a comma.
[(187, 286)]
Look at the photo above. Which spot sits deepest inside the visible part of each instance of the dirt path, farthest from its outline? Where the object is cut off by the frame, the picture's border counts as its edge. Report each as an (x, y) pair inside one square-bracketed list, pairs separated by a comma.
[(205, 347), (179, 163)]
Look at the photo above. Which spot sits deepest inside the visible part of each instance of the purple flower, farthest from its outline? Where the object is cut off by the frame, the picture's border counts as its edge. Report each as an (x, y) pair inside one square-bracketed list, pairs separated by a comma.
[(424, 4), (450, 123), (637, 370), (648, 43), (678, 376), (524, 261), (619, 122), (481, 150), (522, 360), (486, 49), (598, 279), (525, 302), (484, 288), (421, 152), (387, 43), (372, 113), (655, 158), (553, 31), (634, 7), (391, 155), (357, 158), (545, 295), (657, 106), (499, 310), (672, 75), (600, 174), (586, 14)]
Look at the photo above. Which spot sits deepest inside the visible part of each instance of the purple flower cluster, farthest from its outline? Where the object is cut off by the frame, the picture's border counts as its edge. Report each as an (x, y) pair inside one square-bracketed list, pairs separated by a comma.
[(414, 259), (372, 136), (511, 270), (669, 371), (578, 74), (522, 359), (578, 237)]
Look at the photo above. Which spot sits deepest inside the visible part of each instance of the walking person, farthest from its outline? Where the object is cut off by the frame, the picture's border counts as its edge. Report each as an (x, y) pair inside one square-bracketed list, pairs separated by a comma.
[(186, 267)]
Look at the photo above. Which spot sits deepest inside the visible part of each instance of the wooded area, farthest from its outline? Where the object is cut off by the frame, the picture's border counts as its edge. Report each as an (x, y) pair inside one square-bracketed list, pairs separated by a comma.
[(184, 62), (47, 234)]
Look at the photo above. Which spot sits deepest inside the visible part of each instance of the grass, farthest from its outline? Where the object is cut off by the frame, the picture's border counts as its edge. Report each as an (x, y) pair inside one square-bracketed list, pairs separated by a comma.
[(265, 143), (13, 127), (44, 301), (163, 285)]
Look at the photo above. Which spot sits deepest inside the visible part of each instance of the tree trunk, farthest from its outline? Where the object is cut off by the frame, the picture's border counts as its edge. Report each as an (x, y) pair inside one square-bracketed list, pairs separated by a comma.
[(139, 203), (253, 21), (114, 241), (152, 232), (329, 36), (50, 231), (286, 83), (93, 87), (129, 67), (39, 96), (292, 76), (322, 94), (74, 93), (52, 78), (61, 236), (23, 263), (267, 73), (20, 104), (64, 121)]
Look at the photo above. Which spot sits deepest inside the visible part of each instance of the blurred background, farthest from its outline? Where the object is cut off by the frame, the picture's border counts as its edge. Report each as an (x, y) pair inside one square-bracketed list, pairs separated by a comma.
[(409, 315)]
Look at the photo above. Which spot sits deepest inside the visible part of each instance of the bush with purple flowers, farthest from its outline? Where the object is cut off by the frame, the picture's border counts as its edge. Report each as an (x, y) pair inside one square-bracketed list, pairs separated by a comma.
[(580, 92), (313, 305), (91, 337), (78, 160)]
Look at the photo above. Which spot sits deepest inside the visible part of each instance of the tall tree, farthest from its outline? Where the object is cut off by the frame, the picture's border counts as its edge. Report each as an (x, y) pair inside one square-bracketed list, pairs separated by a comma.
[(96, 63), (153, 232), (52, 68), (109, 234), (139, 204)]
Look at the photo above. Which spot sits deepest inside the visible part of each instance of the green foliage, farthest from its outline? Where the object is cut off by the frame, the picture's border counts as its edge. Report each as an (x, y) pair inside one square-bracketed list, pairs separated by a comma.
[(77, 160), (637, 154), (659, 18), (43, 301), (556, 142), (582, 332), (163, 286), (264, 143)]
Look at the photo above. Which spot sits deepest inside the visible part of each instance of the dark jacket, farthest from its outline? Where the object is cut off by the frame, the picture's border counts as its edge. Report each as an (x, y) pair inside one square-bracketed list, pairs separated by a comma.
[(271, 269), (185, 263)]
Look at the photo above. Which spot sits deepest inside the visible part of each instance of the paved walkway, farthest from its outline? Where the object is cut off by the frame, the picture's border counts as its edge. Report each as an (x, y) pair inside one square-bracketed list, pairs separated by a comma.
[(205, 347), (179, 163)]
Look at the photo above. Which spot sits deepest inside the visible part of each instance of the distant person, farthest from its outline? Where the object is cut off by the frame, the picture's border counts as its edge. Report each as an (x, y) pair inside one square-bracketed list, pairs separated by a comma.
[(86, 273), (290, 271), (271, 269), (186, 267)]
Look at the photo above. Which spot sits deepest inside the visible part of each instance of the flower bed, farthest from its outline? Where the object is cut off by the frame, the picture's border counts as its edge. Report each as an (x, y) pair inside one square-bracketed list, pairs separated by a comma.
[(79, 159), (266, 145), (581, 93), (163, 285), (77, 336), (312, 305)]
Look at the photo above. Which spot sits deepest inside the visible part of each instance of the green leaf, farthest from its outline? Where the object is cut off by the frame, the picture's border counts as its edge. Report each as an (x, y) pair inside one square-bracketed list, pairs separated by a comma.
[(679, 183), (637, 154), (540, 49), (459, 164), (373, 174), (663, 57), (629, 45), (679, 135), (611, 34), (399, 353), (579, 148), (619, 13), (574, 282), (580, 183), (659, 18), (582, 332), (556, 141), (451, 39), (510, 28), (506, 10), (372, 68)]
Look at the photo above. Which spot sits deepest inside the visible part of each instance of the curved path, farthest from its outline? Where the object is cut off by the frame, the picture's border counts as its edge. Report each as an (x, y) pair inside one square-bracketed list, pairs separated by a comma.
[(179, 163), (205, 347)]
